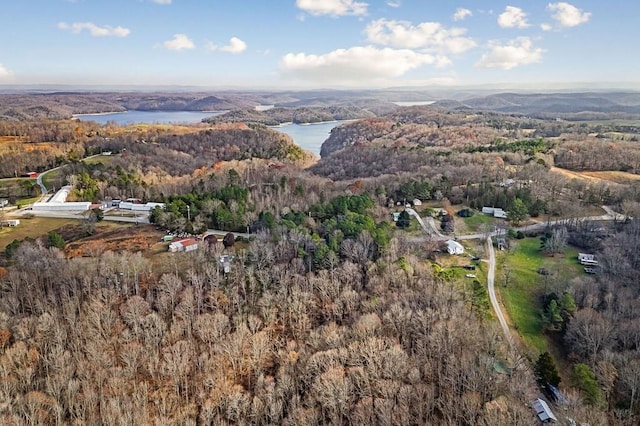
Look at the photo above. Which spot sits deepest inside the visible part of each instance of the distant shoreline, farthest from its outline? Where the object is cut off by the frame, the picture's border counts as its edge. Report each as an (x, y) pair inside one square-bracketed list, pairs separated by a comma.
[(98, 113), (141, 110), (289, 123)]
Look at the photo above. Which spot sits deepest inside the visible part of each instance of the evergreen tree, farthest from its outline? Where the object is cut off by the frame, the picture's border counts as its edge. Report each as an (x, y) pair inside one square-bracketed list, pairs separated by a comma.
[(55, 240), (553, 316), (404, 221), (546, 371)]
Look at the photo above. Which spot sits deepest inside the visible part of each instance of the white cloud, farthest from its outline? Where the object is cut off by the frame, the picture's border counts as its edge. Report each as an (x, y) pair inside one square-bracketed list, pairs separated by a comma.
[(333, 7), (567, 15), (394, 4), (5, 73), (235, 46), (179, 42), (426, 35), (162, 1), (462, 14), (357, 64), (95, 30), (513, 54), (513, 17), (546, 27)]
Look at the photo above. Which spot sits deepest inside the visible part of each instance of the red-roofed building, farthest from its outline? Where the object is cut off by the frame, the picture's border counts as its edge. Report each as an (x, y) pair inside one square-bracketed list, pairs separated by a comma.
[(185, 245)]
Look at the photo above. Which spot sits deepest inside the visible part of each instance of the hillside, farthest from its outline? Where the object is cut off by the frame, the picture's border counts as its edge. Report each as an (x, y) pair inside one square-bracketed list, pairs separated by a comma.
[(545, 105), (299, 115)]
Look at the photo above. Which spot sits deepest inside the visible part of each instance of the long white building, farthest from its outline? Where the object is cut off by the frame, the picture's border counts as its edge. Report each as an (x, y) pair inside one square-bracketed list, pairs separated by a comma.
[(59, 203)]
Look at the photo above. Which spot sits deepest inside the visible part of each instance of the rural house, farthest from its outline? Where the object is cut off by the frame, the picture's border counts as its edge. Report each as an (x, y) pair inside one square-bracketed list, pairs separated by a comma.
[(454, 247)]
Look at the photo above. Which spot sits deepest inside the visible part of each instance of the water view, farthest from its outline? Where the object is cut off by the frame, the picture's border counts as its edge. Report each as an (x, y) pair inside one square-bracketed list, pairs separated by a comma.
[(413, 103), (150, 117), (309, 136)]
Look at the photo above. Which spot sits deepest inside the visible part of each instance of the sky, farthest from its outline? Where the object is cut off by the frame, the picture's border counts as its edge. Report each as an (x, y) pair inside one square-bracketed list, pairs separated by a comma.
[(299, 44)]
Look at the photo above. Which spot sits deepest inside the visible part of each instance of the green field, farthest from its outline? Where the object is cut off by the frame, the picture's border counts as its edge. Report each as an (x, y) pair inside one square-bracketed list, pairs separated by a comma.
[(32, 228), (475, 222), (522, 296), (18, 188), (49, 180), (104, 159)]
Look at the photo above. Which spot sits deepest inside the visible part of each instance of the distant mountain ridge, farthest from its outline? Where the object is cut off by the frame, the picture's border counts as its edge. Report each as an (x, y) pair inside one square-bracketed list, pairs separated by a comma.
[(565, 105), (544, 104)]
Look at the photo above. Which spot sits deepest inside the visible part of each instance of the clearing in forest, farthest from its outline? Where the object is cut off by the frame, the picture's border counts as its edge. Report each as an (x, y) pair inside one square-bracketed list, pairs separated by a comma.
[(610, 176)]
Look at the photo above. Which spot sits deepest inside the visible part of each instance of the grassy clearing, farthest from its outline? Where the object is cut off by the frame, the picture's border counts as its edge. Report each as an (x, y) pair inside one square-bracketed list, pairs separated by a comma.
[(50, 179), (523, 294), (32, 228), (101, 159), (609, 177), (451, 269), (18, 188), (476, 222)]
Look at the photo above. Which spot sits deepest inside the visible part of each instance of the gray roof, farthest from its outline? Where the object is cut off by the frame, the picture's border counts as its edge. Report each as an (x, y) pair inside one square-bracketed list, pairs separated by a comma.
[(543, 411)]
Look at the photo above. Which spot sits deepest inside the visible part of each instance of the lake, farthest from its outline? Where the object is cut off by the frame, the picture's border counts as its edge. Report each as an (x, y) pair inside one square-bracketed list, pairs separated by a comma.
[(149, 117), (413, 103), (308, 136)]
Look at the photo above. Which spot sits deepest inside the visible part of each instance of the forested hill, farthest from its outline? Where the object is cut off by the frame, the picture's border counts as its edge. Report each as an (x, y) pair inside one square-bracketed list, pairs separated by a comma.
[(318, 105), (418, 124), (173, 151), (552, 105), (303, 115)]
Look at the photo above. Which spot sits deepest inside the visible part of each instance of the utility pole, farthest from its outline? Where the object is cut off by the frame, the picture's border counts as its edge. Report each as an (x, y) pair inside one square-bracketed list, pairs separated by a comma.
[(188, 214)]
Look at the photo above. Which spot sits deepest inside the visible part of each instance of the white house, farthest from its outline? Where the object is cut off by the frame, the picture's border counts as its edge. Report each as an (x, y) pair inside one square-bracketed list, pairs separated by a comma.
[(454, 247), (543, 411), (10, 222)]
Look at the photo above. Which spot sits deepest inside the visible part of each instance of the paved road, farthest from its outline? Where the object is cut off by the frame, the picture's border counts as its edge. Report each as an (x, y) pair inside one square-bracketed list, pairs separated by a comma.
[(492, 291), (43, 188), (415, 214)]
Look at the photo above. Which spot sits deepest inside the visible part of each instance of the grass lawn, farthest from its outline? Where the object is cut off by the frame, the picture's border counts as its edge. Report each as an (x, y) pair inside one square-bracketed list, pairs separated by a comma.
[(522, 296), (50, 178), (31, 227), (104, 159), (18, 188), (451, 269), (475, 222)]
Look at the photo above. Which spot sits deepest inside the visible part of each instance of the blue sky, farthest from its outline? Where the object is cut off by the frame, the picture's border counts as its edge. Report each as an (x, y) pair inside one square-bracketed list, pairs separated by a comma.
[(319, 43)]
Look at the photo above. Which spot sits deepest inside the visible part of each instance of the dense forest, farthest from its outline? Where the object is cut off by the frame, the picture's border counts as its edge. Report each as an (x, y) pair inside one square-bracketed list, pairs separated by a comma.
[(301, 115), (329, 312)]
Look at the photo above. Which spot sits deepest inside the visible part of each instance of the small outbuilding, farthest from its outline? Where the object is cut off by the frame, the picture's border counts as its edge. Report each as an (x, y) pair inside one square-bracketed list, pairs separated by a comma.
[(495, 212), (543, 411), (184, 245), (454, 247)]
